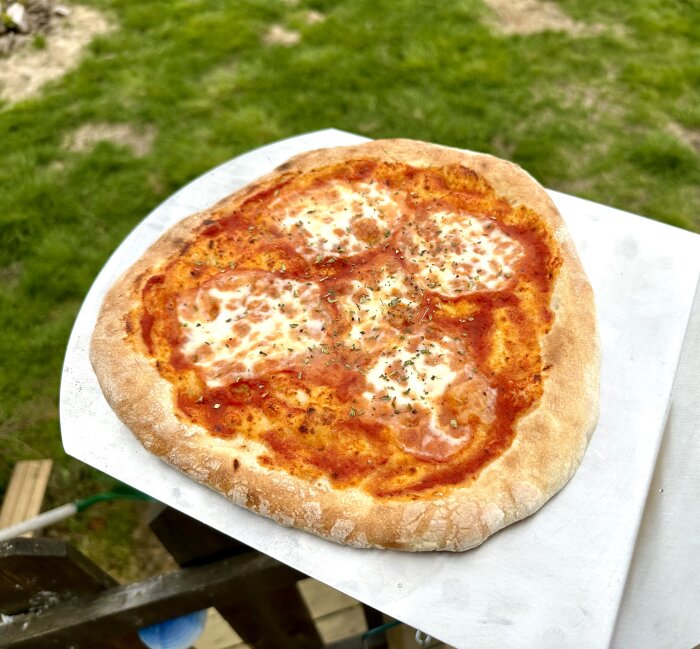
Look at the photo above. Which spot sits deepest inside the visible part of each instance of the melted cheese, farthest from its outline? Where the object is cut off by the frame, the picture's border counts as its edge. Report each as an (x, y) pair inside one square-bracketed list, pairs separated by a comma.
[(369, 304), (409, 374), (412, 374), (338, 220), (419, 377), (366, 377), (456, 254), (241, 326)]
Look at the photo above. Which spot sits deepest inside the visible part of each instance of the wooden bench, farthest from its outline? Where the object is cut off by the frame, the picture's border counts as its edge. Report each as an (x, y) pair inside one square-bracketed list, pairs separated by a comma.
[(25, 492), (52, 596), (255, 594)]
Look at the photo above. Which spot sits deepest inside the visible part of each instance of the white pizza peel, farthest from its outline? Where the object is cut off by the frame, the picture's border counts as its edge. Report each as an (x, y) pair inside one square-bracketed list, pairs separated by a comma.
[(553, 580)]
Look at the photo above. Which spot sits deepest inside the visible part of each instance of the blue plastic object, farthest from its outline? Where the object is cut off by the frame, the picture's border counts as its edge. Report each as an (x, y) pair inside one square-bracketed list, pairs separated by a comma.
[(178, 633)]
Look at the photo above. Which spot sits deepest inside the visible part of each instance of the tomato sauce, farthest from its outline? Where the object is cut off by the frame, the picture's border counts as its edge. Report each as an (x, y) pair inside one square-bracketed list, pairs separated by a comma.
[(315, 418)]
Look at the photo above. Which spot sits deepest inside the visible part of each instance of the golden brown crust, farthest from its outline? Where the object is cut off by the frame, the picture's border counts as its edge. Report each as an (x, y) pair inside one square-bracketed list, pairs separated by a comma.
[(549, 443)]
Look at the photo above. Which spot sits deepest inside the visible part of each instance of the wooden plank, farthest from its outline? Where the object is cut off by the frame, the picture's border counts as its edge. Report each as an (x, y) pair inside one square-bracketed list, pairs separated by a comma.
[(41, 475), (87, 620), (374, 619), (274, 614), (341, 624), (25, 492), (29, 567), (190, 542), (273, 617), (321, 599), (336, 616), (14, 489), (35, 574), (218, 633)]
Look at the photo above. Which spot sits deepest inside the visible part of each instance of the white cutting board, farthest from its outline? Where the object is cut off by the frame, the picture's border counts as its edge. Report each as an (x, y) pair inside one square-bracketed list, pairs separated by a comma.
[(554, 580)]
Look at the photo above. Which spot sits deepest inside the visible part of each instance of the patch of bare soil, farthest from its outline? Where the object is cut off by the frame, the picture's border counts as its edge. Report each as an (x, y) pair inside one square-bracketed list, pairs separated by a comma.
[(534, 16), (689, 137), (27, 69), (312, 17), (87, 136), (278, 35)]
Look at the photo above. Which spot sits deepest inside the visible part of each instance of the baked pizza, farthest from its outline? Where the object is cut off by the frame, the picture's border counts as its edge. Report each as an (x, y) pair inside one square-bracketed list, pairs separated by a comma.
[(388, 345)]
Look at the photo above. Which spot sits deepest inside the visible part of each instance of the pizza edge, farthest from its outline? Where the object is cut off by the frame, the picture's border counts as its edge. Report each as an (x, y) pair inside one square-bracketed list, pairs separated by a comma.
[(549, 443)]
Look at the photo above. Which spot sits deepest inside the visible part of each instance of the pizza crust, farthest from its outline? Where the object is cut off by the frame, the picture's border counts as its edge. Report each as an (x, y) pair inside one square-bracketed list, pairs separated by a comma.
[(548, 446)]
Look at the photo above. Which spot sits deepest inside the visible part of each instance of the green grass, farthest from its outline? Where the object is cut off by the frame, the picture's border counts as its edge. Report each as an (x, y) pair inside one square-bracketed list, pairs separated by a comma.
[(600, 116)]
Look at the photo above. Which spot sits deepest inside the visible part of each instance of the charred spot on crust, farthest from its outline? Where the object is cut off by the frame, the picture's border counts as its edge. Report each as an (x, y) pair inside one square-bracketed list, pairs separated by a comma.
[(236, 464)]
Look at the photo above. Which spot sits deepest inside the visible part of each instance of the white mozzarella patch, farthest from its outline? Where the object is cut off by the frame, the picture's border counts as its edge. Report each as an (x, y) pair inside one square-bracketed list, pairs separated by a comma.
[(413, 374), (409, 372), (458, 254), (232, 330), (330, 222), (367, 305)]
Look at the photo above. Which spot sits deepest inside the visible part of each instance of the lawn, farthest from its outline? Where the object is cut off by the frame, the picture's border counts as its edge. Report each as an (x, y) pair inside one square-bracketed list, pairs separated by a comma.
[(609, 111)]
